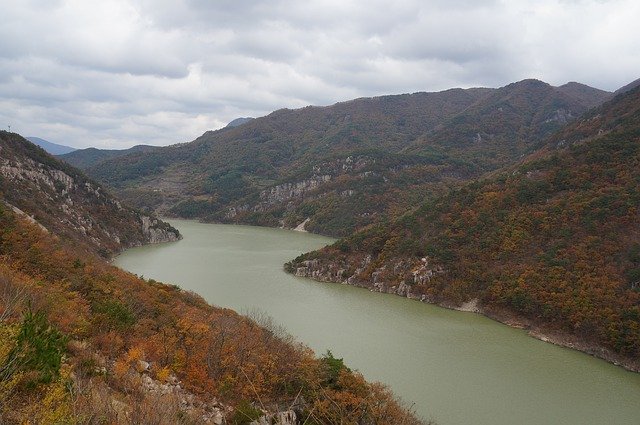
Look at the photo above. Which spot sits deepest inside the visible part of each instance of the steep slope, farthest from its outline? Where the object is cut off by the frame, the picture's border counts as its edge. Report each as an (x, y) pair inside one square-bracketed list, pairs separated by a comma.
[(552, 243), (62, 200), (343, 167), (84, 342), (52, 148), (504, 125), (632, 85)]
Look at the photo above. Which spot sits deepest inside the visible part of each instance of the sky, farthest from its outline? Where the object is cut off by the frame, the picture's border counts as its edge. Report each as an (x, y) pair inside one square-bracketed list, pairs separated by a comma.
[(116, 73)]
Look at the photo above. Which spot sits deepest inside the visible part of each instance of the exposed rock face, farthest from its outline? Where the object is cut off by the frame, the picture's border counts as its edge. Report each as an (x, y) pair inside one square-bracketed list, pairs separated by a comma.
[(406, 278), (66, 203), (286, 191), (324, 180), (288, 417), (156, 231)]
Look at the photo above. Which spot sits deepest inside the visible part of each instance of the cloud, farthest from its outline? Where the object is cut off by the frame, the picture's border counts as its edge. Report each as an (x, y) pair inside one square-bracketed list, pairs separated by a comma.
[(115, 73)]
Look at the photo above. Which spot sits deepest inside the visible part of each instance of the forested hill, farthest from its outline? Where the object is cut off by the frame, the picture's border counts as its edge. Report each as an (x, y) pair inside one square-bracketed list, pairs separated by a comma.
[(87, 158), (554, 241), (65, 202), (83, 342), (342, 167)]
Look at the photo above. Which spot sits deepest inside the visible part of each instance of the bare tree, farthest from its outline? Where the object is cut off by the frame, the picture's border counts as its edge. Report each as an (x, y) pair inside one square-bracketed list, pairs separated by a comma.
[(12, 295)]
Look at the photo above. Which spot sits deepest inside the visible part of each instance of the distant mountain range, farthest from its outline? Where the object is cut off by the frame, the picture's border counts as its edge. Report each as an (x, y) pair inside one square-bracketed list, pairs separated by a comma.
[(342, 167), (52, 148), (87, 158)]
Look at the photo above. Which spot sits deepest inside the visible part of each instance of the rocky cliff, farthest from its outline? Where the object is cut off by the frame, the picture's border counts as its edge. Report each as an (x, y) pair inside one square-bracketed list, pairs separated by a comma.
[(406, 277), (68, 204)]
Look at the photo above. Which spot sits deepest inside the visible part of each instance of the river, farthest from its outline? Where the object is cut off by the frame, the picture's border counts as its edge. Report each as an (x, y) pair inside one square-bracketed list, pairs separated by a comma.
[(454, 367)]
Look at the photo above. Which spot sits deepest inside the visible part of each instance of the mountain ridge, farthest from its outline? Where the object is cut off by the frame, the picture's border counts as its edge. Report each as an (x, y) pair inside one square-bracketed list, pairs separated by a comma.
[(52, 148), (378, 154), (549, 243)]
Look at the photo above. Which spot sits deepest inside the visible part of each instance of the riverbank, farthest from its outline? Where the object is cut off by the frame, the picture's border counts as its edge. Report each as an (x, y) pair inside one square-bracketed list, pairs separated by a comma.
[(504, 316), (561, 338), (456, 368)]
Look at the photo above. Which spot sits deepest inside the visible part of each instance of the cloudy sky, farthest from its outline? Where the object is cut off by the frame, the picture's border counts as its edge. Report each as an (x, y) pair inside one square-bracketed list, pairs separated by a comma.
[(114, 73)]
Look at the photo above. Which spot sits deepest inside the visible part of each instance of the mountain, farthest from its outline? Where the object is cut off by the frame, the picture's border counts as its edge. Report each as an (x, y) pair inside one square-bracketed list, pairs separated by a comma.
[(239, 121), (52, 148), (506, 124), (81, 339), (550, 244), (87, 158), (345, 166), (632, 85), (62, 200)]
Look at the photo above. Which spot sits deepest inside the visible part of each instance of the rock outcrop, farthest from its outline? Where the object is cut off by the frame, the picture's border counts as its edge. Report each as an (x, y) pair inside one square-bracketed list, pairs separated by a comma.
[(403, 277), (68, 204)]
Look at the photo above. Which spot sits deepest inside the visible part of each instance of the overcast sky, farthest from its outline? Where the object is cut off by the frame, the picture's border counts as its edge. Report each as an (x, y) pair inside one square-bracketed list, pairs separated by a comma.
[(114, 73)]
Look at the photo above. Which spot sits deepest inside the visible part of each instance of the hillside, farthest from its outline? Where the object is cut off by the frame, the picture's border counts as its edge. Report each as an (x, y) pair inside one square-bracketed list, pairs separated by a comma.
[(84, 342), (550, 244), (65, 202), (342, 167), (50, 147), (87, 158)]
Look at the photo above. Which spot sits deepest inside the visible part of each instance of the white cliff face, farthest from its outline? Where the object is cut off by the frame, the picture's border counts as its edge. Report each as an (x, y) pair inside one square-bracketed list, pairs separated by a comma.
[(68, 203), (154, 233), (313, 187), (286, 191), (408, 278)]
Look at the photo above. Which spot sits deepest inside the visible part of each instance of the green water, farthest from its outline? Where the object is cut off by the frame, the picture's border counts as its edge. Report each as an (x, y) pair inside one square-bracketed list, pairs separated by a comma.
[(456, 368)]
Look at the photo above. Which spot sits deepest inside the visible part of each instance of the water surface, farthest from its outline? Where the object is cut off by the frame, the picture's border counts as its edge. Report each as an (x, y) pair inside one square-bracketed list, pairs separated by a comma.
[(456, 368)]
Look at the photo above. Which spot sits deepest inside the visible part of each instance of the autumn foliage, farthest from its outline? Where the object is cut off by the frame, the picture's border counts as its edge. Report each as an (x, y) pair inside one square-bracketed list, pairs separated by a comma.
[(118, 330), (555, 239)]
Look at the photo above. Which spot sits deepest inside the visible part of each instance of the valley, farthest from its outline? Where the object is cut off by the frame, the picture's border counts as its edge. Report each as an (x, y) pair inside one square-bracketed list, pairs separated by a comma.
[(453, 367)]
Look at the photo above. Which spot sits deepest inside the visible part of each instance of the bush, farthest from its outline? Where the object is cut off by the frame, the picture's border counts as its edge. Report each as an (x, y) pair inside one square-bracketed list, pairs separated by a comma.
[(114, 315), (38, 350), (245, 413)]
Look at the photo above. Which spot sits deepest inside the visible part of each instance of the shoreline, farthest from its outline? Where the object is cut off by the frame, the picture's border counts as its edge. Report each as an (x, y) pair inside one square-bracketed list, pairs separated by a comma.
[(508, 318), (553, 336), (557, 337)]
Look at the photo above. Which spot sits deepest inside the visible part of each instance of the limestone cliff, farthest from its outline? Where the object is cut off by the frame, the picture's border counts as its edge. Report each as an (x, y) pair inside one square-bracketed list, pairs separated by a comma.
[(65, 202)]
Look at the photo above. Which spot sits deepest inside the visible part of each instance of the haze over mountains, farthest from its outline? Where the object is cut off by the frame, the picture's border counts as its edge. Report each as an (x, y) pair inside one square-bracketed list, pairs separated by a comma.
[(52, 148), (344, 166)]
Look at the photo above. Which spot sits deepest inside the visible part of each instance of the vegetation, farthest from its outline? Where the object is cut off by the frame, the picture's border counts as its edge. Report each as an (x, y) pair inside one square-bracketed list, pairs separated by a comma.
[(554, 240), (348, 165), (85, 342), (67, 203)]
